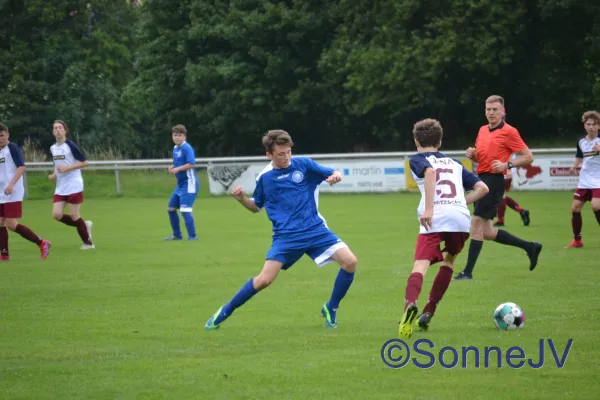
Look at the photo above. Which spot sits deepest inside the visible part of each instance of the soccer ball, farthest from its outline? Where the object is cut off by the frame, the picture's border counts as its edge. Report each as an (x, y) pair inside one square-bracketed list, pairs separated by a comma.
[(509, 317)]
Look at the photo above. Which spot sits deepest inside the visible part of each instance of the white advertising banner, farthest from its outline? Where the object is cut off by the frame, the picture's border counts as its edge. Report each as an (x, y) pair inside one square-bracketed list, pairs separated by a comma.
[(223, 178), (367, 176), (546, 173), (358, 176)]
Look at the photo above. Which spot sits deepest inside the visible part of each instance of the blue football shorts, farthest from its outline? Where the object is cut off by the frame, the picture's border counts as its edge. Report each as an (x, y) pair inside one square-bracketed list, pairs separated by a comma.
[(182, 199), (320, 248)]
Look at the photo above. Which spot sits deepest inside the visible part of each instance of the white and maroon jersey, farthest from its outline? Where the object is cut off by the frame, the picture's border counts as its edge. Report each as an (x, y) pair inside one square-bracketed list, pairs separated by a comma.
[(589, 177), (67, 153), (450, 211), (11, 158)]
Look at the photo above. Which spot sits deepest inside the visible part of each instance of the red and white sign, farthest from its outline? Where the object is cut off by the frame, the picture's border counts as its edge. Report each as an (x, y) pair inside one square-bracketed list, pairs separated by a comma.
[(546, 173)]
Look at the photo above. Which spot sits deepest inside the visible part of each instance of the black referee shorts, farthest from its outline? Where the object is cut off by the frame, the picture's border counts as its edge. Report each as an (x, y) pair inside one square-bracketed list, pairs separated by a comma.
[(487, 206)]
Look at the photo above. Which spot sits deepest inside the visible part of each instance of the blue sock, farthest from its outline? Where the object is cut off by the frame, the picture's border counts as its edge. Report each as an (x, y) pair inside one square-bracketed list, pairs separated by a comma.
[(242, 296), (189, 223), (342, 284), (174, 218)]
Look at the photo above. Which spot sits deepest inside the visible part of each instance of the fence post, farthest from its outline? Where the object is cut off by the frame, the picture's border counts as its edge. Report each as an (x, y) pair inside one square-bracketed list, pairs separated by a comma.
[(118, 179), (25, 185)]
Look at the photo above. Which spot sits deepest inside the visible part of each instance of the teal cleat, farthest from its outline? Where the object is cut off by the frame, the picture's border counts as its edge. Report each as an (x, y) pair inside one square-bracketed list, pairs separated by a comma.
[(210, 324), (330, 317)]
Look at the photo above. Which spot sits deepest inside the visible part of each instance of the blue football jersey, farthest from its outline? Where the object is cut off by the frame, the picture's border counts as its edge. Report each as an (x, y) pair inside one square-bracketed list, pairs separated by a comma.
[(182, 155), (291, 197)]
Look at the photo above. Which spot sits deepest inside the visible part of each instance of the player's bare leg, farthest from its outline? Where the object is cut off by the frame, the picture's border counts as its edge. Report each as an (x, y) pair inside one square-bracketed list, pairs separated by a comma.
[(576, 224), (267, 276), (348, 262)]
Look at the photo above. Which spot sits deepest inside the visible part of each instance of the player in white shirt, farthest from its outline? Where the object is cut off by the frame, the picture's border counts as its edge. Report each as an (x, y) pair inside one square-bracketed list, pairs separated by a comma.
[(443, 215), (12, 168), (68, 161), (587, 157)]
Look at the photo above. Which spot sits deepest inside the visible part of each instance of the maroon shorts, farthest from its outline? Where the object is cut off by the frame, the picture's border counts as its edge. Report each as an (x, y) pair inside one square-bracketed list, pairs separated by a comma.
[(507, 184), (73, 198), (428, 245), (586, 194), (11, 210)]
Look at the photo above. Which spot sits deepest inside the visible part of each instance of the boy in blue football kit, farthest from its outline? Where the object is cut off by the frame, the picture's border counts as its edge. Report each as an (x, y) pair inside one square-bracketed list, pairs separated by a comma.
[(184, 195), (288, 189)]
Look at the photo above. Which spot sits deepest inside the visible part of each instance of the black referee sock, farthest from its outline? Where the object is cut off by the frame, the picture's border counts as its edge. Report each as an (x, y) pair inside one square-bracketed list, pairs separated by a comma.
[(474, 250), (504, 237)]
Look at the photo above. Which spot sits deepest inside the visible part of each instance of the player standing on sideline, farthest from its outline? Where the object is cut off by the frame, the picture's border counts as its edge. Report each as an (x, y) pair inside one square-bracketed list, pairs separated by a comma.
[(494, 145), (444, 217), (184, 195), (68, 161), (588, 188), (288, 189), (12, 168), (508, 177)]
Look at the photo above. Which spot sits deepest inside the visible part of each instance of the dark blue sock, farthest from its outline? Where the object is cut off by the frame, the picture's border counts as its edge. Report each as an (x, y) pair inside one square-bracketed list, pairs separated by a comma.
[(189, 223), (242, 296), (174, 218), (342, 284)]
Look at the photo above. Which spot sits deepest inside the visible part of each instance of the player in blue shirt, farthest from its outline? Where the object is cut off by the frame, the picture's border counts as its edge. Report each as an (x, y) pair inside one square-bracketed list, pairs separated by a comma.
[(288, 189), (184, 195)]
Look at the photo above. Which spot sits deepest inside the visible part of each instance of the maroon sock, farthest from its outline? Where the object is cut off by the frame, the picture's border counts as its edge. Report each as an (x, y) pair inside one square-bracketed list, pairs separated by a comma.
[(502, 210), (4, 241), (28, 234), (597, 213), (83, 231), (577, 223), (67, 220), (440, 284), (413, 288), (513, 204)]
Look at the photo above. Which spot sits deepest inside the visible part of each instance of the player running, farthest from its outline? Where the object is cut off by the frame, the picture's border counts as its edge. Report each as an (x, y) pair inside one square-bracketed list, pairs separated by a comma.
[(587, 157), (12, 168), (444, 217), (68, 161)]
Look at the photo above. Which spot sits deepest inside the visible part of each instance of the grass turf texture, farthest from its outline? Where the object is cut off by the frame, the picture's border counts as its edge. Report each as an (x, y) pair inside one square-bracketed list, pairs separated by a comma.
[(125, 321)]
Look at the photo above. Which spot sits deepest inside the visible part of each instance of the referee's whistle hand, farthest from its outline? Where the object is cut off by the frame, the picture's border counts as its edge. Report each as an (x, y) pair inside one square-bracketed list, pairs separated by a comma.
[(470, 153)]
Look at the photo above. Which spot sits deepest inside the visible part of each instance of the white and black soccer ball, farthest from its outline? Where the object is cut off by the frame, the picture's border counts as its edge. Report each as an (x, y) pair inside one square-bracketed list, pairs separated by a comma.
[(509, 317)]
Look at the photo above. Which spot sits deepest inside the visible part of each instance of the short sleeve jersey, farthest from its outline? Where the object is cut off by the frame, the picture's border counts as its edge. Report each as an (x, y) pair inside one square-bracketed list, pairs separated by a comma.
[(183, 155), (589, 177), (290, 197), (498, 143), (450, 211), (67, 153), (11, 158)]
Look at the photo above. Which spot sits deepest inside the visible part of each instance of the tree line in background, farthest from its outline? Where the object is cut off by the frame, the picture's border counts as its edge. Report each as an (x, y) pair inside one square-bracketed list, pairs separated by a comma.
[(340, 76)]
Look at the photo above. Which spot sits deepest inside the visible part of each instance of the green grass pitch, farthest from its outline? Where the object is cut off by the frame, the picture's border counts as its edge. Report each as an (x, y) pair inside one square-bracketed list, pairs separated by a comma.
[(126, 321)]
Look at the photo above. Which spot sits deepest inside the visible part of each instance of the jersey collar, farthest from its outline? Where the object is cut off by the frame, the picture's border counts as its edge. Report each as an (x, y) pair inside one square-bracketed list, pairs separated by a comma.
[(500, 126)]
